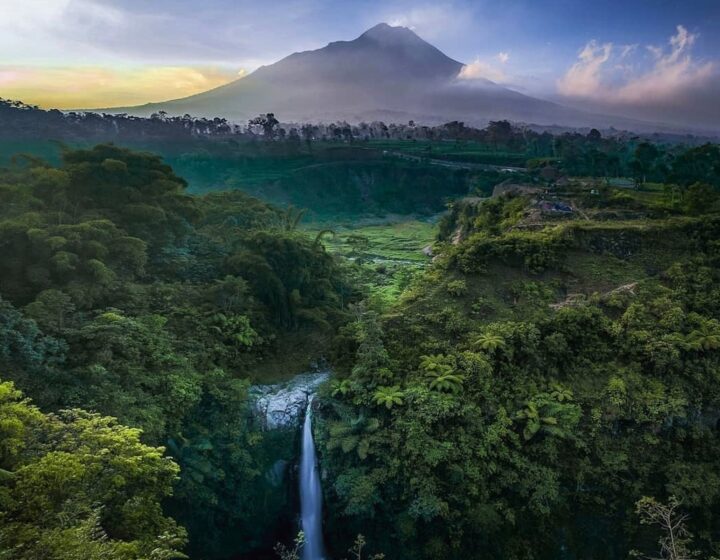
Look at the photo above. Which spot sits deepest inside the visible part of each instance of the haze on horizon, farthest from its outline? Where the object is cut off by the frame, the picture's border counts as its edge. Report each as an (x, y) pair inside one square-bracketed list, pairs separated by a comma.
[(647, 59)]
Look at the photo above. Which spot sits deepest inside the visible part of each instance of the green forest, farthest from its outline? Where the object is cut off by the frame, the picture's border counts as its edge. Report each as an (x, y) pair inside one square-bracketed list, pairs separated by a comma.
[(523, 332)]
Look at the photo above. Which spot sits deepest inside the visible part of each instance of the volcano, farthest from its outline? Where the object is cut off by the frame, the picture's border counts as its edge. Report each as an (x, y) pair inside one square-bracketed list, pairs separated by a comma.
[(387, 73)]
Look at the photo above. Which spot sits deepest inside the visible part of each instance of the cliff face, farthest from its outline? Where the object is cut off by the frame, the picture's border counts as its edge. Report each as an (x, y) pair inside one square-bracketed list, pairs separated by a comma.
[(280, 406), (276, 411)]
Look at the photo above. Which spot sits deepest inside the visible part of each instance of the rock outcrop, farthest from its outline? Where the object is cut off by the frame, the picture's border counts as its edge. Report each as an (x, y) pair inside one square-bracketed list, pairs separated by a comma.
[(281, 405)]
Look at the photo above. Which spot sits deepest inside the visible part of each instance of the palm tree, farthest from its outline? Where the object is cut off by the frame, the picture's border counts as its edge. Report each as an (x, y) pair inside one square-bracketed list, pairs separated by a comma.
[(490, 342), (292, 217), (388, 396), (446, 382), (435, 364), (441, 370), (355, 434), (560, 393), (535, 420), (548, 413), (340, 387), (321, 234), (705, 337)]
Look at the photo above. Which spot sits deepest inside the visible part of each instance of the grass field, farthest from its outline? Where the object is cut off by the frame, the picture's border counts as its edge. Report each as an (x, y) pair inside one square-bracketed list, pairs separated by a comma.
[(395, 240), (392, 255)]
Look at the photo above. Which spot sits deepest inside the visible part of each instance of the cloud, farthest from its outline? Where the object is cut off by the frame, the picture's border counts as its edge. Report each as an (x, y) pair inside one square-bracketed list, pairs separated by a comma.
[(161, 32), (673, 73), (664, 83), (627, 50), (480, 69), (91, 87), (584, 78), (21, 15), (49, 29), (431, 21)]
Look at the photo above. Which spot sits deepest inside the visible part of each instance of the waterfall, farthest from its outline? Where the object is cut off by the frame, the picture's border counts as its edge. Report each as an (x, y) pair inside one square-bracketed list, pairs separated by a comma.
[(310, 494)]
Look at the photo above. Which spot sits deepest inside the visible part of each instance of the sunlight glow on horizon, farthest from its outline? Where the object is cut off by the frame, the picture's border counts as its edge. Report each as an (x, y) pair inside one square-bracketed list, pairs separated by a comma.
[(90, 87)]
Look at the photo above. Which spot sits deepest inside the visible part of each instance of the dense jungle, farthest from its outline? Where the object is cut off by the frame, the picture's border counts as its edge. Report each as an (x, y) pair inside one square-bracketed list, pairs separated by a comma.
[(519, 329)]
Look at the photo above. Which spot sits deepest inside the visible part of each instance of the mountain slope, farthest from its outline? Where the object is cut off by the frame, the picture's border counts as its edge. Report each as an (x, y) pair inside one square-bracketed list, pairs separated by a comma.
[(386, 73)]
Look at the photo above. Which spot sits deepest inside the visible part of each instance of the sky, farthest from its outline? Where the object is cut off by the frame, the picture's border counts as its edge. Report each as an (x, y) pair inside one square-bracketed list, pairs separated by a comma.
[(655, 59)]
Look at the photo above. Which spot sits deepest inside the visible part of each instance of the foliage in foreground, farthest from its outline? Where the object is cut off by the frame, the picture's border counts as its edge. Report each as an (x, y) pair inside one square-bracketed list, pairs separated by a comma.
[(294, 552), (80, 485)]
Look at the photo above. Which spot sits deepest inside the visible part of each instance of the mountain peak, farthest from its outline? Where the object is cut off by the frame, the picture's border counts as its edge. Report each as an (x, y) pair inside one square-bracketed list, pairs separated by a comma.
[(388, 70), (388, 34)]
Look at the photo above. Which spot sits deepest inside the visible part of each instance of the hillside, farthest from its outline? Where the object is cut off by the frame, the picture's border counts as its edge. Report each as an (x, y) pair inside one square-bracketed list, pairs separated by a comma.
[(549, 370)]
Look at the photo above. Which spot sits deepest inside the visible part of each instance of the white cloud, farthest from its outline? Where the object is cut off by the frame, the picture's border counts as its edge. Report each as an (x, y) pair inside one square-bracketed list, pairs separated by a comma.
[(583, 79), (50, 29), (627, 50), (431, 21), (17, 15), (228, 33), (503, 57), (25, 26), (480, 69), (657, 52), (672, 73)]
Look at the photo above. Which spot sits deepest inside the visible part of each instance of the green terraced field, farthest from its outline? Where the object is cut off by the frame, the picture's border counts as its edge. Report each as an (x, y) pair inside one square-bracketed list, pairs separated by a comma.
[(400, 241)]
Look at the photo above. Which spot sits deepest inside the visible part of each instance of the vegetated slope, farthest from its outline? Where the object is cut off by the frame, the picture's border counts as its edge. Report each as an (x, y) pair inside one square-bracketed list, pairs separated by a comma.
[(388, 73), (329, 181), (379, 187), (551, 367), (546, 373), (123, 295)]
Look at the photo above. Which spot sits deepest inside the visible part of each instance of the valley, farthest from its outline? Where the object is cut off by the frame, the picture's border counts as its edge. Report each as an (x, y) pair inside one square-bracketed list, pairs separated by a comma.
[(529, 326), (362, 300)]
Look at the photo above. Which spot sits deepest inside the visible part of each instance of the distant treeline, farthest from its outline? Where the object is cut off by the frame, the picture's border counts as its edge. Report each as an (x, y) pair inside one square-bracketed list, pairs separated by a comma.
[(21, 120), (273, 160)]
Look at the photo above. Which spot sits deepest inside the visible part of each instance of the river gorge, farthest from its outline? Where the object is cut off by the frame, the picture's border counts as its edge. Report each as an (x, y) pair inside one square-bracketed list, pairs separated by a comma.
[(284, 412)]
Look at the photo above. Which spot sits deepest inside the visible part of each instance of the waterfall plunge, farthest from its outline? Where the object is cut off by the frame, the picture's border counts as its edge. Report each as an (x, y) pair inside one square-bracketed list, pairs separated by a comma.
[(310, 494)]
